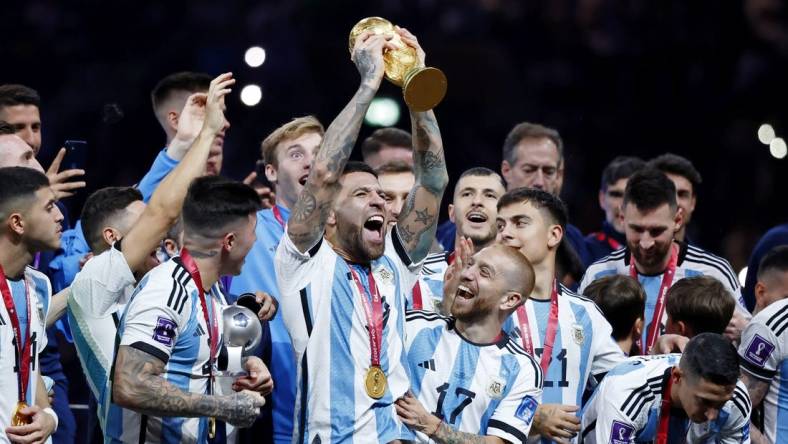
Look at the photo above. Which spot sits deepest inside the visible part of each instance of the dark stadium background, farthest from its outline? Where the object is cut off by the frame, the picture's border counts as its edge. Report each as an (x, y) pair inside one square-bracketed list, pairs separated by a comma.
[(615, 77)]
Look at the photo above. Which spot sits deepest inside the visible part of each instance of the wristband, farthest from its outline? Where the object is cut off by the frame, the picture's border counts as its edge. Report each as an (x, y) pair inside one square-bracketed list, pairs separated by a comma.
[(52, 413)]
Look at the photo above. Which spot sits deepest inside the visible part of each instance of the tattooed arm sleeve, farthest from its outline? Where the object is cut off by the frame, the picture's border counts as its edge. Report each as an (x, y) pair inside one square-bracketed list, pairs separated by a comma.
[(418, 220)]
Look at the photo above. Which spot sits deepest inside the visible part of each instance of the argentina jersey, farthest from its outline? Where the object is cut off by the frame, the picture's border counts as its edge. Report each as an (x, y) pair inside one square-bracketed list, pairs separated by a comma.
[(583, 350), (428, 292), (692, 261), (626, 408), (484, 389), (323, 311), (95, 305), (763, 352), (164, 318), (40, 292)]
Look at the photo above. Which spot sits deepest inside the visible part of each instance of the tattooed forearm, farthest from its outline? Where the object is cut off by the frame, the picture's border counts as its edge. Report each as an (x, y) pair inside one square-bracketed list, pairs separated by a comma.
[(418, 218), (138, 385), (448, 435), (424, 216), (312, 207)]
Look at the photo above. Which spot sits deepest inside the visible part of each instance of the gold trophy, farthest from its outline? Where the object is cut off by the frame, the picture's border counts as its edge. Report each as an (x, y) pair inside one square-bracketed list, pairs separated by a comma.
[(423, 88)]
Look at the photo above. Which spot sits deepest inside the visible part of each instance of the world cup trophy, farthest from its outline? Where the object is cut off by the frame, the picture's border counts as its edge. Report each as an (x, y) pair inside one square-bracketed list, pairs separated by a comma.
[(422, 87)]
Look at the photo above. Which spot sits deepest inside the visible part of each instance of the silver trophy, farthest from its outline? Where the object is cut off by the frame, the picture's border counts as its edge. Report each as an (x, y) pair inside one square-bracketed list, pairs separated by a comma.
[(242, 334)]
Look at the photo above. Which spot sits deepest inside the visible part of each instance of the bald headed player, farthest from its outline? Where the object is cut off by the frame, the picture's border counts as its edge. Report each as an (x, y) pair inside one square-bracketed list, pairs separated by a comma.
[(470, 380)]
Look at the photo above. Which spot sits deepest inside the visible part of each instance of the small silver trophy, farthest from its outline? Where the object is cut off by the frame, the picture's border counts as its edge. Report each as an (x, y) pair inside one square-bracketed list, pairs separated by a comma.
[(242, 334)]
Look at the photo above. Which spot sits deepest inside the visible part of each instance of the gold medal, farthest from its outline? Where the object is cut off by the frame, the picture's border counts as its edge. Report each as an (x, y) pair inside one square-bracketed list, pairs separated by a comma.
[(375, 382), (18, 418), (212, 428)]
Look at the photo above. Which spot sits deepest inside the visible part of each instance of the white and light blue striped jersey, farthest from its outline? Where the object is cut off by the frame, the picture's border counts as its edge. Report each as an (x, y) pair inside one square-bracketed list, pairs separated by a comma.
[(583, 350), (430, 284), (164, 318), (692, 261), (764, 355), (324, 313), (40, 297), (626, 406), (484, 389), (95, 304)]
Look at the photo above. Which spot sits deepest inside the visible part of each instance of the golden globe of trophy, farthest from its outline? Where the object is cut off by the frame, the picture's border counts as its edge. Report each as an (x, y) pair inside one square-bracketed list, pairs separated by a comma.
[(423, 88)]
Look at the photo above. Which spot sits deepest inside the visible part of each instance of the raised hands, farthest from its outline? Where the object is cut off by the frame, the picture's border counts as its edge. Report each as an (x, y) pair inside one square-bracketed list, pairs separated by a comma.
[(368, 57)]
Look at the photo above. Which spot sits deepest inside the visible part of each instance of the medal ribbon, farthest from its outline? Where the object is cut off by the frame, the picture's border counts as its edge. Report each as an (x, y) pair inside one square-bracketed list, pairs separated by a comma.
[(278, 216), (373, 311), (417, 302), (552, 330), (667, 280), (211, 321), (664, 414), (22, 344)]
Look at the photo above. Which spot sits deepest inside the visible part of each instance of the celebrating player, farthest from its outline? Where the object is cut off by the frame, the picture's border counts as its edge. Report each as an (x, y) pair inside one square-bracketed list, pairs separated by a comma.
[(651, 219), (170, 334), (471, 381), (654, 399), (343, 279), (564, 331), (31, 223)]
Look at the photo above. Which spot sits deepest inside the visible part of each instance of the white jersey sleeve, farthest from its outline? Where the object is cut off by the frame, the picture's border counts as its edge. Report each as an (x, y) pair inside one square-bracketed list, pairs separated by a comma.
[(153, 321), (294, 269), (760, 350), (396, 253), (514, 416), (100, 288), (612, 425)]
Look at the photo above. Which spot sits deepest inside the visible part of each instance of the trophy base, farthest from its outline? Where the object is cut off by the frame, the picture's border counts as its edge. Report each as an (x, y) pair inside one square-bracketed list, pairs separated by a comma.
[(424, 89)]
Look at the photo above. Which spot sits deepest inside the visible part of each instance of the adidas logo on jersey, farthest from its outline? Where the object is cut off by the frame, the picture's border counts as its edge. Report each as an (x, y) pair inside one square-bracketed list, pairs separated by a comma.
[(2, 321), (200, 331), (429, 365)]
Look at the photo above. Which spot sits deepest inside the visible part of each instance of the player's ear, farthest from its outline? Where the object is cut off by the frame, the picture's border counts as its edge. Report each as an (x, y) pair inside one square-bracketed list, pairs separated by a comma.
[(511, 300), (228, 241), (637, 328)]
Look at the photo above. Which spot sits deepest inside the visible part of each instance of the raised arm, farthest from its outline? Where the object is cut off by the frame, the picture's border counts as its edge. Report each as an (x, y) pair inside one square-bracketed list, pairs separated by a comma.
[(308, 218), (166, 203), (418, 220), (138, 385)]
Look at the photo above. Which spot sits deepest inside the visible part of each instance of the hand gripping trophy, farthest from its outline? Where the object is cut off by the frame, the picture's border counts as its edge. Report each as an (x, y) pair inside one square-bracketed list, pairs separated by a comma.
[(422, 87)]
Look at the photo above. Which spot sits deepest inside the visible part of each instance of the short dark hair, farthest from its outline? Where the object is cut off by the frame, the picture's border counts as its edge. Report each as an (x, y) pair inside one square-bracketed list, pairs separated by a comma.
[(18, 184), (180, 81), (775, 259), (681, 166), (481, 172), (355, 166), (100, 210), (526, 130), (386, 137), (214, 202), (649, 189), (550, 205), (702, 303), (711, 357), (622, 301), (6, 129), (15, 94), (622, 167), (394, 167)]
